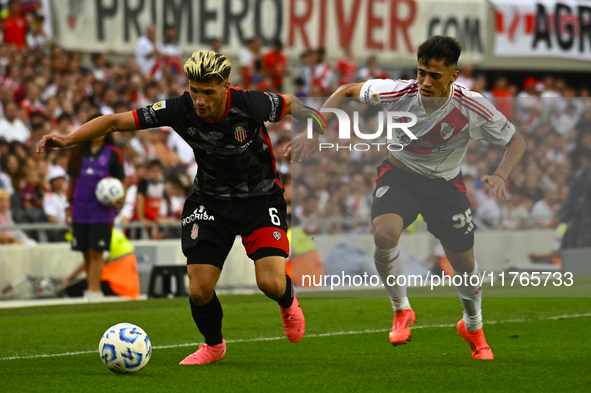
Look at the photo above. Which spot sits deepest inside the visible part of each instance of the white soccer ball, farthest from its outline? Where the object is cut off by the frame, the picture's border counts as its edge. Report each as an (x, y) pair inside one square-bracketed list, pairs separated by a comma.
[(109, 190), (125, 348)]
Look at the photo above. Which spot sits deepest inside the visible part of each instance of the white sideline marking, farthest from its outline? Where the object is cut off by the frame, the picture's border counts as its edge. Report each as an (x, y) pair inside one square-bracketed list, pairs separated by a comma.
[(249, 340)]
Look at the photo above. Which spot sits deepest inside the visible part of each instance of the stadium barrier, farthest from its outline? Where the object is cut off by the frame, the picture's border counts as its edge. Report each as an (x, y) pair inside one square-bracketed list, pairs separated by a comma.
[(495, 251)]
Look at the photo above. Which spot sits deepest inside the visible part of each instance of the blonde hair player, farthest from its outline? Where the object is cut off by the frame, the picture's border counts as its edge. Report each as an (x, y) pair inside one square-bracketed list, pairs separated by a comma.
[(237, 190)]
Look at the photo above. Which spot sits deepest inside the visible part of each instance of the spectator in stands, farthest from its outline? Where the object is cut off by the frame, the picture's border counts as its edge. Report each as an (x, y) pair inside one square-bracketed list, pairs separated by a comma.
[(308, 213), (298, 85), (543, 213), (12, 172), (583, 126), (108, 101), (346, 67), (159, 149), (515, 212), (358, 203), (248, 60), (371, 70), (531, 187), (480, 84), (20, 150), (37, 37), (99, 67), (280, 161), (55, 200), (489, 213), (581, 152), (150, 198), (32, 193), (336, 208), (528, 103), (11, 127), (549, 100), (466, 77), (32, 102), (216, 45), (175, 193), (502, 94), (5, 180), (322, 72), (64, 124), (148, 55), (305, 70), (42, 166), (170, 49), (15, 26), (275, 65), (565, 123), (127, 212), (10, 236), (178, 147)]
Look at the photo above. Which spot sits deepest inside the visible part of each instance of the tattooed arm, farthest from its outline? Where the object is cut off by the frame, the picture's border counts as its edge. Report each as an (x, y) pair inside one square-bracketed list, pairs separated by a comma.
[(301, 147)]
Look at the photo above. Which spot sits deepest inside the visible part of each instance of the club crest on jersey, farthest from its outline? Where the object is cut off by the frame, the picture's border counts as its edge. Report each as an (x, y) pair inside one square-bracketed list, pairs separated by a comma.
[(447, 130), (191, 130), (381, 191), (240, 134), (159, 105), (215, 135), (277, 235), (195, 231)]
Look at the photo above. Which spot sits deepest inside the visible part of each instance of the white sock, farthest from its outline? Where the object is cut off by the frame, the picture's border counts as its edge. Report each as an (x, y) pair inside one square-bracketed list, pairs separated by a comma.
[(388, 264), (471, 297)]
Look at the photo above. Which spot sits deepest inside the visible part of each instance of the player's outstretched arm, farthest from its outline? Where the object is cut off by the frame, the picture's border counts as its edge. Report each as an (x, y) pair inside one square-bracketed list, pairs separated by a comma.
[(514, 152), (100, 126), (302, 147)]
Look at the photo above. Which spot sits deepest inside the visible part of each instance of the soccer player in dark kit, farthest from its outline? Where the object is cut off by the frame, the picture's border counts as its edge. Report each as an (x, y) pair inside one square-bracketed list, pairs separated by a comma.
[(237, 190)]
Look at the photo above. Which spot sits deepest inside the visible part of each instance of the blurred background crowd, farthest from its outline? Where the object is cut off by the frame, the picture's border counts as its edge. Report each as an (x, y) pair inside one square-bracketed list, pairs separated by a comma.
[(45, 89)]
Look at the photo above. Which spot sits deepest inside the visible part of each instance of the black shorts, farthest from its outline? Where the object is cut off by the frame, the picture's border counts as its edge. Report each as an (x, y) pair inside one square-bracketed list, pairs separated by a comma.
[(96, 237), (442, 203), (210, 227)]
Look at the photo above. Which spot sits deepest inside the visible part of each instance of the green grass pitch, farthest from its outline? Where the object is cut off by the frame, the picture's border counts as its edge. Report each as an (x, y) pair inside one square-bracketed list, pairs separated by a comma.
[(346, 347)]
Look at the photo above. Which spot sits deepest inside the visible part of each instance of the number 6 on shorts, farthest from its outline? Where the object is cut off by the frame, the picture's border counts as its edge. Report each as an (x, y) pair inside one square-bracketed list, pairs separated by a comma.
[(274, 217)]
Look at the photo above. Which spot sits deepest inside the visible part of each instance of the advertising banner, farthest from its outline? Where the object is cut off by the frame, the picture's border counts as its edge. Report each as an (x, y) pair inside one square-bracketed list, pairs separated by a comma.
[(543, 28), (393, 29)]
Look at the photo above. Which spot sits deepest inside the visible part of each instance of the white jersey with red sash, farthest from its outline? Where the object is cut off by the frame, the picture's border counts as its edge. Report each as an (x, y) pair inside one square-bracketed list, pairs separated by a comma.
[(443, 135)]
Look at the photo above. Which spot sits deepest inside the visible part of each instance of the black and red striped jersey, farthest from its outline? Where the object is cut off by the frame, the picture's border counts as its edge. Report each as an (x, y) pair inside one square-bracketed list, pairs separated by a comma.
[(234, 154)]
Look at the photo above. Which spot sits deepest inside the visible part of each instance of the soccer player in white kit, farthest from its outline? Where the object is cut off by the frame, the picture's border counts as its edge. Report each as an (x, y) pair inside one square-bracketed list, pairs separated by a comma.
[(424, 177)]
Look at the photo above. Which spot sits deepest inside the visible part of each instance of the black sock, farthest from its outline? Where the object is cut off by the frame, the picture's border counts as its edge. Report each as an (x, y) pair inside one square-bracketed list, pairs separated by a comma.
[(286, 300), (208, 319)]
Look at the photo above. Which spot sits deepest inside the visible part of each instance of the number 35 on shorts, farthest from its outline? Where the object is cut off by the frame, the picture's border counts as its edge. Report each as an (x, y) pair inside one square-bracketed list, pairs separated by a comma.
[(464, 220)]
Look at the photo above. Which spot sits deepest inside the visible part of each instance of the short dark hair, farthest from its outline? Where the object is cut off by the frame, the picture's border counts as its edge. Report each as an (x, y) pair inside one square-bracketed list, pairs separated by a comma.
[(440, 48), (155, 162), (64, 116)]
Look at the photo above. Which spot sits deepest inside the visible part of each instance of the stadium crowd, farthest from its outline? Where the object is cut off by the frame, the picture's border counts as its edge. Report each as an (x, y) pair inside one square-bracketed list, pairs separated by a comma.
[(45, 89)]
